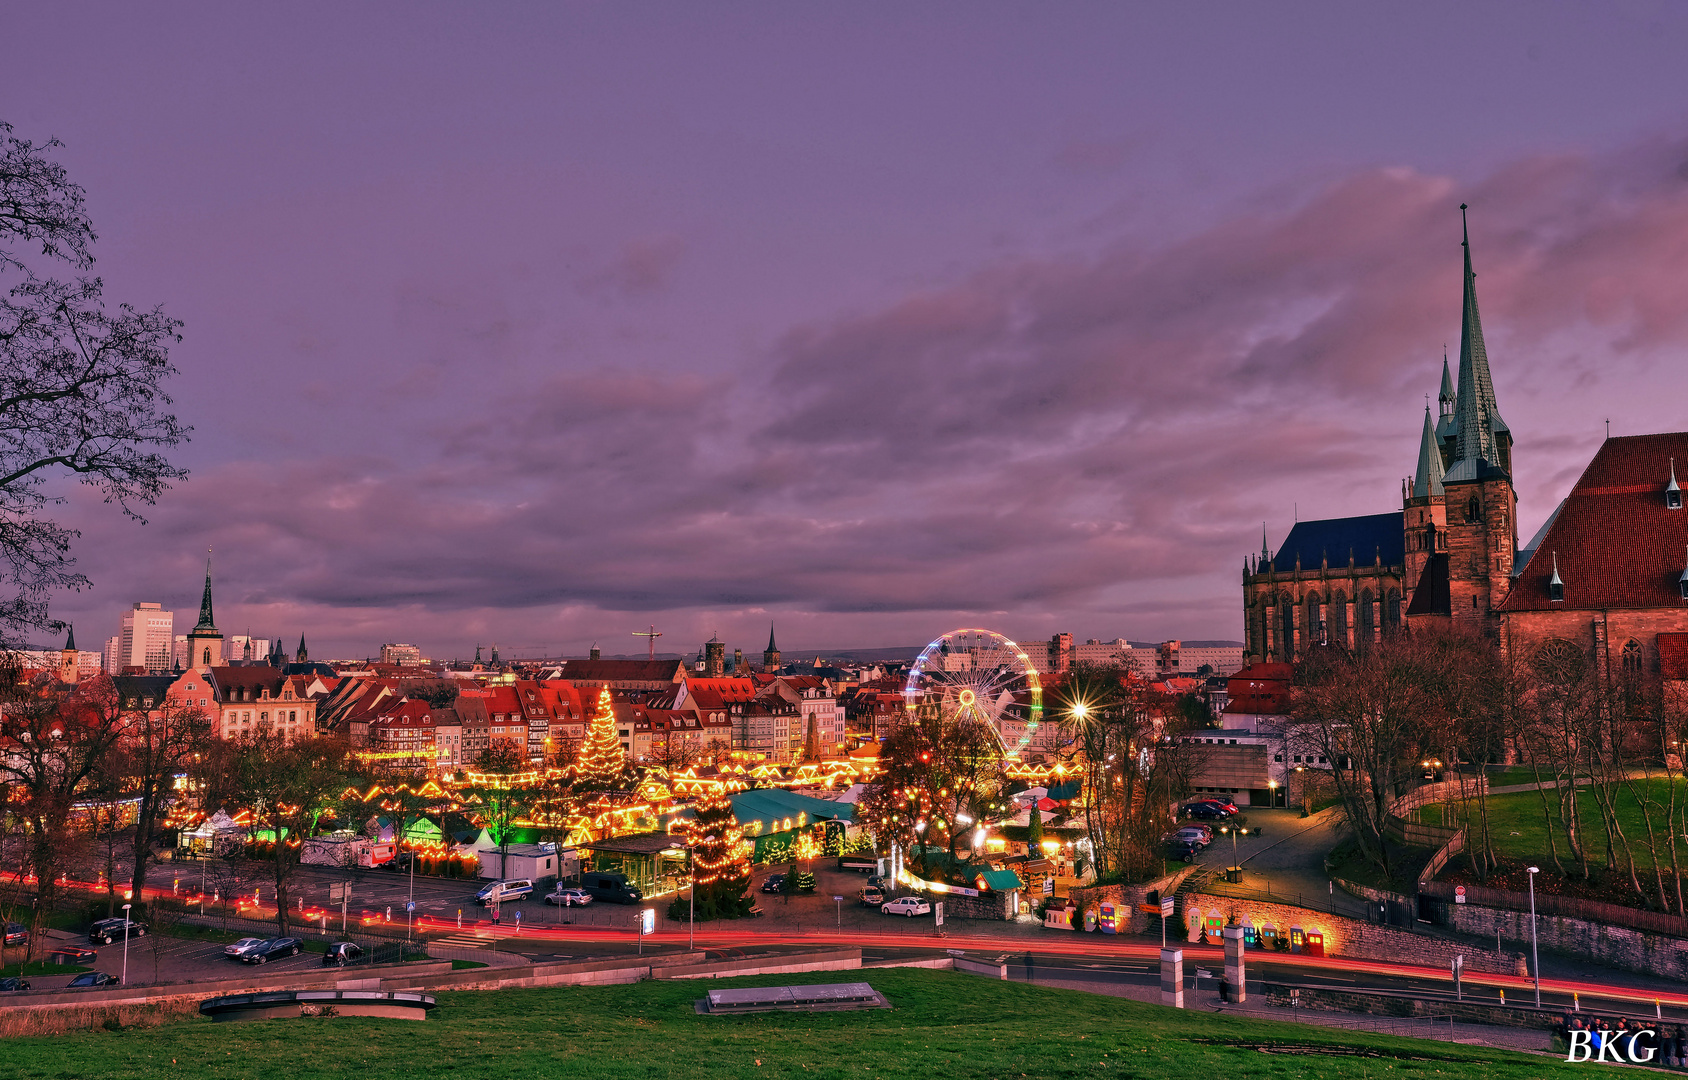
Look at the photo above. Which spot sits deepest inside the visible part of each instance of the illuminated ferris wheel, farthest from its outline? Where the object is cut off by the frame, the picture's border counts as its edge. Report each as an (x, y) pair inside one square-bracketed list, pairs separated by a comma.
[(979, 675)]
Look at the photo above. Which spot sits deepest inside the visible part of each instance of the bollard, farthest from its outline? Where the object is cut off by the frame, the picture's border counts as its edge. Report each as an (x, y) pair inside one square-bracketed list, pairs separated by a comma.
[(1235, 988), (1172, 977), (459, 918)]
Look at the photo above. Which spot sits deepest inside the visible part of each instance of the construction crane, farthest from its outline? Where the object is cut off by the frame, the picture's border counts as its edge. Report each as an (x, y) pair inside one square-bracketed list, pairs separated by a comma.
[(653, 633)]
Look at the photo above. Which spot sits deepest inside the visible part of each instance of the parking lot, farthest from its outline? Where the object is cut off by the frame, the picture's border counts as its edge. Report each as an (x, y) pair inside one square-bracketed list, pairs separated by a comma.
[(162, 958)]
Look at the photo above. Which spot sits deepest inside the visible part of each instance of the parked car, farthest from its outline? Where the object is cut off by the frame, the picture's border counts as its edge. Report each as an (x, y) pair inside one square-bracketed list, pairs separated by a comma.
[(775, 883), (341, 953), (401, 861), (861, 864), (1183, 851), (107, 931), (504, 892), (1206, 811), (613, 888), (879, 881), (16, 933), (872, 896), (907, 905), (92, 978), (1199, 833), (273, 949), (569, 898), (9, 985), (240, 948)]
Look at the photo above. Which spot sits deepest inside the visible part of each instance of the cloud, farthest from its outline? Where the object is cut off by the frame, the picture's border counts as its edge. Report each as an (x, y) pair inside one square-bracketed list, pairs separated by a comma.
[(1049, 439)]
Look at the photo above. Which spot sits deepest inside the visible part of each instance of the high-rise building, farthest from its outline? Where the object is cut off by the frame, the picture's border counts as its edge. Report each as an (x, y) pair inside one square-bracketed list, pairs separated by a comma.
[(146, 638), (114, 656), (400, 653)]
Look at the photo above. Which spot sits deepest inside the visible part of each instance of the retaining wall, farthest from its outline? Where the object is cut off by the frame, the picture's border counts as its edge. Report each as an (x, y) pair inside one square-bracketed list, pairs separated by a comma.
[(1616, 946), (1347, 937), (1132, 895), (1380, 1003)]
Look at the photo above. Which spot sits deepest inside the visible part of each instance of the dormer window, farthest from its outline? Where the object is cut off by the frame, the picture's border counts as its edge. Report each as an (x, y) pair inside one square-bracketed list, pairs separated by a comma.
[(1556, 587), (1682, 583), (1673, 493)]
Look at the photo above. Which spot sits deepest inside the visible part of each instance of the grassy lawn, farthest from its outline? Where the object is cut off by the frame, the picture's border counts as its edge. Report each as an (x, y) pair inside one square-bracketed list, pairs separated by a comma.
[(40, 967), (1520, 833), (943, 1025)]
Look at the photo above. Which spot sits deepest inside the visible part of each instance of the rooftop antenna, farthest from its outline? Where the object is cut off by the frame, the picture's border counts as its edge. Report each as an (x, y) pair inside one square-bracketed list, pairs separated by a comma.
[(653, 633), (1608, 427)]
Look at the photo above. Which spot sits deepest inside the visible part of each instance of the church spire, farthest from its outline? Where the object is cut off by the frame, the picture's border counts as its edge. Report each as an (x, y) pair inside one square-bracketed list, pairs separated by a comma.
[(206, 621), (1475, 415), (771, 646), (70, 637), (1427, 480)]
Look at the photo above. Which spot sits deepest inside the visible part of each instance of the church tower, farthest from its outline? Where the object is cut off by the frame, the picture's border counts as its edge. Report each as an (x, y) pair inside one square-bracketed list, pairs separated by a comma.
[(1480, 505), (771, 655), (303, 656), (205, 643), (69, 670), (1425, 513)]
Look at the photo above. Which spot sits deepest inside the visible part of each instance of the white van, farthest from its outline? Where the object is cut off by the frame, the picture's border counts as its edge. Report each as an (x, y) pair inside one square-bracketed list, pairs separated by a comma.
[(502, 892)]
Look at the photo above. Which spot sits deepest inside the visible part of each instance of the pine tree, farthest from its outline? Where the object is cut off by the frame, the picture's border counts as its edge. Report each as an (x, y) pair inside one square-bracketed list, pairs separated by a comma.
[(1034, 833), (601, 759), (720, 861)]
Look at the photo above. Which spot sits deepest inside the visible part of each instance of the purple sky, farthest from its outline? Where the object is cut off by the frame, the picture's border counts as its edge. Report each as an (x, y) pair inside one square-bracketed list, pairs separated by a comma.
[(538, 323)]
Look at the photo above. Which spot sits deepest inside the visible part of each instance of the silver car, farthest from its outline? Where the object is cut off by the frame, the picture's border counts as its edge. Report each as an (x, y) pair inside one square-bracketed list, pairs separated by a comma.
[(242, 947)]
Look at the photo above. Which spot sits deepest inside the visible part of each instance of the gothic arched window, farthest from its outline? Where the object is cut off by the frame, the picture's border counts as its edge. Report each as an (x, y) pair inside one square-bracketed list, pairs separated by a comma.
[(1473, 510), (1392, 612), (1632, 662), (1365, 620), (1287, 612), (1313, 626), (1336, 629)]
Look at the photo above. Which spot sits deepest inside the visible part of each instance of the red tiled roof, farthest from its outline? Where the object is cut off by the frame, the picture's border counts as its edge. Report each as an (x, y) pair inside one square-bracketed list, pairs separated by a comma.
[(1260, 689), (1616, 544), (729, 689)]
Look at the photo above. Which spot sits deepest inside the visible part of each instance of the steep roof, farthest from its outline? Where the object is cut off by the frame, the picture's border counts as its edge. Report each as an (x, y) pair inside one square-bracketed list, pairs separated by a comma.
[(624, 670), (1334, 538), (1476, 416), (1427, 479), (1616, 543)]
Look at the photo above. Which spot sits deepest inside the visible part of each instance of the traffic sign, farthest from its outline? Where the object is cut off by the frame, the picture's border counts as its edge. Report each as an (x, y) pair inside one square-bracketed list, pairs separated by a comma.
[(1166, 907), (838, 898), (1459, 894), (339, 892), (410, 905), (938, 913), (1049, 886)]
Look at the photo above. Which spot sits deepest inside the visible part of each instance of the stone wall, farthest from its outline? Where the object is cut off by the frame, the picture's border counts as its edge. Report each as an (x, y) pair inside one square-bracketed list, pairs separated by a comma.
[(1387, 1004), (1132, 895), (992, 906), (1347, 937), (1616, 946)]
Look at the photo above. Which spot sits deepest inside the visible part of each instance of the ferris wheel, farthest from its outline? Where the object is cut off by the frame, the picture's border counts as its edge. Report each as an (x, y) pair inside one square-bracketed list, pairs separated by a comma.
[(981, 676)]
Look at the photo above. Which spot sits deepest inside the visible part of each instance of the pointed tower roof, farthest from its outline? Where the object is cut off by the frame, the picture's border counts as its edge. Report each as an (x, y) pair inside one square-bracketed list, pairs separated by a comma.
[(206, 620), (70, 638), (1447, 391), (1475, 414), (301, 642), (771, 646), (1428, 479)]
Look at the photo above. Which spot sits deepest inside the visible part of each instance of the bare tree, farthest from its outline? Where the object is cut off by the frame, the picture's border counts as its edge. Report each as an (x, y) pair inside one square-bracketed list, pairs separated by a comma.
[(286, 785), (81, 386), (55, 742)]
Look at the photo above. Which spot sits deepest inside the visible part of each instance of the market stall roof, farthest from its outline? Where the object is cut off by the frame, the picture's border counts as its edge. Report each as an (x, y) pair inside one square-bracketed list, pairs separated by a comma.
[(637, 844), (771, 807)]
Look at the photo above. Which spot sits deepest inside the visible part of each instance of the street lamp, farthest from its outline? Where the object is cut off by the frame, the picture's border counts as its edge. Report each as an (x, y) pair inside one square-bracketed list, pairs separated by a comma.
[(126, 908), (1235, 832), (1535, 957)]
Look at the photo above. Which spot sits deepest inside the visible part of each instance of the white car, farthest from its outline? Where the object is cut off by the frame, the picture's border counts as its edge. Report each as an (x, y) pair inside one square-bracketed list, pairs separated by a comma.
[(243, 946), (907, 905)]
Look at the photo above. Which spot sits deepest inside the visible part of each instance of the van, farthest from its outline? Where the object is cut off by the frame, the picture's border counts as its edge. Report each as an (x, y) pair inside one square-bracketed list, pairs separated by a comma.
[(610, 887), (503, 892)]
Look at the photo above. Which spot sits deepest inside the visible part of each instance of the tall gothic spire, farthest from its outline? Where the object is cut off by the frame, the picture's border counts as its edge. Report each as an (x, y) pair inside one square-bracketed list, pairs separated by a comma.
[(1475, 413), (1428, 479), (206, 621), (771, 646)]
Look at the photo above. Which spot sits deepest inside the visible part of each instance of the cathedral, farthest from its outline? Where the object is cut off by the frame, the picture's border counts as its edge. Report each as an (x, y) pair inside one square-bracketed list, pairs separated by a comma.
[(1606, 575), (1448, 556)]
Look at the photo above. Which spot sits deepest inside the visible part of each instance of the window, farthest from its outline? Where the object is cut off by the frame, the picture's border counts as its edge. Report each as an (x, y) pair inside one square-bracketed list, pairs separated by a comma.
[(1473, 510), (1632, 662), (1555, 592)]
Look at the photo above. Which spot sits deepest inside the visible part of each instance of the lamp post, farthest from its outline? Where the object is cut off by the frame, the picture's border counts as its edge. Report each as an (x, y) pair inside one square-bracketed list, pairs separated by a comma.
[(1535, 957), (126, 908)]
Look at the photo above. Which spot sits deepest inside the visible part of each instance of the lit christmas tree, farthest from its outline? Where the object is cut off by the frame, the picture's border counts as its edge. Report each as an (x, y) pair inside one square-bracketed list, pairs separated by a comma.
[(601, 759), (720, 863)]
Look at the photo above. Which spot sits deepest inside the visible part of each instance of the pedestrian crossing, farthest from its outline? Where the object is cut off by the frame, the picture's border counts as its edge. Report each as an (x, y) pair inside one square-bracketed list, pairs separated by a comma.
[(464, 941)]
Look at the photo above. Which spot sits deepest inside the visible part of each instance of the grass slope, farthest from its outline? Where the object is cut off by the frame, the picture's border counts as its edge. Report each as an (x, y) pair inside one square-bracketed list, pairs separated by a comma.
[(1520, 832), (943, 1025)]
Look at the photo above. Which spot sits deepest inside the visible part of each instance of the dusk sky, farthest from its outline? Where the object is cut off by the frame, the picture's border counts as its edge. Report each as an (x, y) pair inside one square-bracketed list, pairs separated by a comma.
[(539, 323)]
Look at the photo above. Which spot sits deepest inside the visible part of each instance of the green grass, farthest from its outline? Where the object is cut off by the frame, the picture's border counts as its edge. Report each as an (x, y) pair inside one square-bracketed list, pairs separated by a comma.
[(1520, 833), (40, 967), (943, 1025)]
